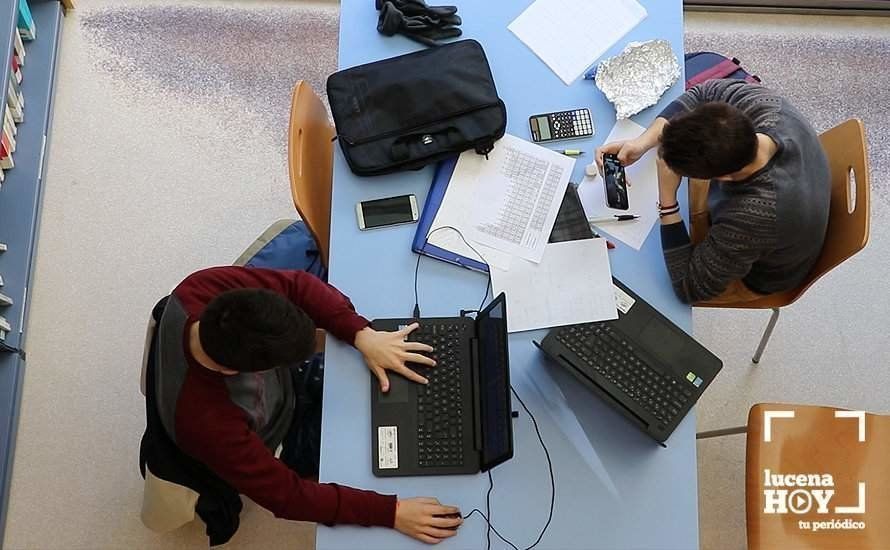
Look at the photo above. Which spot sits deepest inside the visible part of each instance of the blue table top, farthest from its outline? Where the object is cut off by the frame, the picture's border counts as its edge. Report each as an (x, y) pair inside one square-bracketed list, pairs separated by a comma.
[(615, 488)]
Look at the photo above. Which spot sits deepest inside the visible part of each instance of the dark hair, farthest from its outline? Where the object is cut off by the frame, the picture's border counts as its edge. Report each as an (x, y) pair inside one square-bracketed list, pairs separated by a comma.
[(712, 140), (253, 329)]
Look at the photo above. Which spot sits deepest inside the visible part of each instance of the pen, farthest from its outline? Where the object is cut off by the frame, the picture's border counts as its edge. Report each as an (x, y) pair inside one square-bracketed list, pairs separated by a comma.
[(615, 218), (571, 152)]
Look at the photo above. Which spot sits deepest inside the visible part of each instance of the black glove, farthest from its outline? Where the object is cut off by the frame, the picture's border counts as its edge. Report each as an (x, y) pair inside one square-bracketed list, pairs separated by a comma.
[(418, 7), (429, 25)]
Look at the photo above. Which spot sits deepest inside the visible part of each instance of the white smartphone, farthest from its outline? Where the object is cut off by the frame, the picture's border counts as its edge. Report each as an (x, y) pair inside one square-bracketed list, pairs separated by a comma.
[(385, 212)]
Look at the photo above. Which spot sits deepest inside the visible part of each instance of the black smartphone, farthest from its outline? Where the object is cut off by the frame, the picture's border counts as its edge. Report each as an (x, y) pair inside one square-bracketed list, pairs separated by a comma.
[(615, 182), (388, 211)]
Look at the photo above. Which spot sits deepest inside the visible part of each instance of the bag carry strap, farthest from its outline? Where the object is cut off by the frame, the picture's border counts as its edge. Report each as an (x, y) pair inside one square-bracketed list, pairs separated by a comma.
[(417, 146), (720, 70)]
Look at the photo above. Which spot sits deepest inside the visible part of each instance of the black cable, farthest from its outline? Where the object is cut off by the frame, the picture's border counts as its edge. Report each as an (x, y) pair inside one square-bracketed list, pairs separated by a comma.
[(416, 311), (487, 518), (488, 509), (549, 467), (487, 515), (491, 527)]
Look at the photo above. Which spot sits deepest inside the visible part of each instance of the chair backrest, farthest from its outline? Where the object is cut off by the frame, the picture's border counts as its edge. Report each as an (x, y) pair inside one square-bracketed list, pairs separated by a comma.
[(146, 351), (814, 442), (848, 220), (310, 163)]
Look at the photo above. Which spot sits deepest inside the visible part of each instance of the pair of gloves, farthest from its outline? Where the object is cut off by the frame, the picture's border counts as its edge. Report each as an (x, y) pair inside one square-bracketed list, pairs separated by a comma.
[(429, 25)]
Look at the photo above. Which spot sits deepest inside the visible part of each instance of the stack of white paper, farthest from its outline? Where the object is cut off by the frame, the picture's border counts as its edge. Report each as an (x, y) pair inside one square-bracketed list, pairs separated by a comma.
[(569, 35), (572, 284), (504, 205)]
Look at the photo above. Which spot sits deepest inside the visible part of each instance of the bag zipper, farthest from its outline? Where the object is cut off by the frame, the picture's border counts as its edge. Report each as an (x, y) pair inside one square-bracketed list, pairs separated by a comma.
[(391, 133)]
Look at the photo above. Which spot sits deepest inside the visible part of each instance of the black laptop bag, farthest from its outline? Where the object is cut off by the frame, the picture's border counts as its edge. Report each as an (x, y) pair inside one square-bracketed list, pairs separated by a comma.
[(412, 110)]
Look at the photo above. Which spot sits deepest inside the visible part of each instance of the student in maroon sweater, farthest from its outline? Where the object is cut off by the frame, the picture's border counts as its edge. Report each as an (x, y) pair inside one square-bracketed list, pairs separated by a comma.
[(227, 339)]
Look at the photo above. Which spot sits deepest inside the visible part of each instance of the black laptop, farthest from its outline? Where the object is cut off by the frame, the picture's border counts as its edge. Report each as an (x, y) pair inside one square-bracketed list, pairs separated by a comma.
[(643, 365), (459, 423)]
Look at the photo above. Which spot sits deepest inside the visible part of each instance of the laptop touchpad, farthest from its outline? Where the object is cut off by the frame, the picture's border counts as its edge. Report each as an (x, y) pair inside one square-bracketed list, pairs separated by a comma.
[(401, 390), (662, 341)]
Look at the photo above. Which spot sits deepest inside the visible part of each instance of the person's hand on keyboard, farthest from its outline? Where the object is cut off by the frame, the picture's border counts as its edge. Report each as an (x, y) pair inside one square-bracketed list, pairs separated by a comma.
[(425, 519), (389, 351)]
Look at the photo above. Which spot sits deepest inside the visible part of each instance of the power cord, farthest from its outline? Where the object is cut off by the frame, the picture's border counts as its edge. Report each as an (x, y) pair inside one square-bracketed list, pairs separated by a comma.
[(416, 311), (487, 515)]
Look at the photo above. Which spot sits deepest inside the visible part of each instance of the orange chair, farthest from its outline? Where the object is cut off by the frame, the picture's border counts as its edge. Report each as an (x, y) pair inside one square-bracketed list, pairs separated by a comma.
[(849, 446), (310, 152), (848, 220)]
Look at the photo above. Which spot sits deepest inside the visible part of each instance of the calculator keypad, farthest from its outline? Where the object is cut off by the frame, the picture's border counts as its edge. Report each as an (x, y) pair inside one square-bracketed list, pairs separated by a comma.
[(570, 124)]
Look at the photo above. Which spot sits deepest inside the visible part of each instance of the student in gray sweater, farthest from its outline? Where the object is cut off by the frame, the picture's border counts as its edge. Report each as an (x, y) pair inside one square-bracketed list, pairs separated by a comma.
[(769, 190)]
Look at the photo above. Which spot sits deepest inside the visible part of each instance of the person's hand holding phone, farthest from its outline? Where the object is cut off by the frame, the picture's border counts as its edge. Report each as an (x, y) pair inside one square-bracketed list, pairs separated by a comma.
[(628, 152)]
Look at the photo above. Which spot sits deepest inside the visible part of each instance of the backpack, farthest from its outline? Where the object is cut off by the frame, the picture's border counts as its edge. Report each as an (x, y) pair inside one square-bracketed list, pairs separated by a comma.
[(703, 66), (286, 244)]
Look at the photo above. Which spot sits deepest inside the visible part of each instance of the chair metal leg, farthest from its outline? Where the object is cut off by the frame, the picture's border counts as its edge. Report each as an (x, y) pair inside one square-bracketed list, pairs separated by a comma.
[(766, 335), (721, 432)]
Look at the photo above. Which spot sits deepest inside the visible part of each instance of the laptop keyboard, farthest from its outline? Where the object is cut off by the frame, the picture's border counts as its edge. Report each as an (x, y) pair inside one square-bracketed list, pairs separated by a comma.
[(439, 403), (608, 353)]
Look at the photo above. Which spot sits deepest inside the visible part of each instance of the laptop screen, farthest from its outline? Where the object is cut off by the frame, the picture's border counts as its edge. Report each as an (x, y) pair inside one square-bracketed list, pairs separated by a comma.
[(494, 384)]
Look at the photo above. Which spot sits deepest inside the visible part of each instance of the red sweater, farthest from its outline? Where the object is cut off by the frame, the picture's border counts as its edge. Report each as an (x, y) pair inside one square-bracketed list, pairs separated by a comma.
[(214, 430)]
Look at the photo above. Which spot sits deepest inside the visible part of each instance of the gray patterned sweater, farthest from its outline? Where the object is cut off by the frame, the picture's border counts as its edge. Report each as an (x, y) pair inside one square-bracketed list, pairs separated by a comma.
[(767, 230)]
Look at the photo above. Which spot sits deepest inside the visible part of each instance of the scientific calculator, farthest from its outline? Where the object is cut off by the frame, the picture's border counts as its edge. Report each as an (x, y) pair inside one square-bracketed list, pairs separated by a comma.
[(561, 125)]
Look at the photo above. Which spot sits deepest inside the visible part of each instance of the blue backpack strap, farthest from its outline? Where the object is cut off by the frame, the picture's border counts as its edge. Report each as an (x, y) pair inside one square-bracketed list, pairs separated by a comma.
[(286, 245)]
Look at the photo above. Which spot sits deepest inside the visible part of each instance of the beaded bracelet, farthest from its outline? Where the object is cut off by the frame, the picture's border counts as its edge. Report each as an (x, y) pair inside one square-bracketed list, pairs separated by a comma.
[(668, 210)]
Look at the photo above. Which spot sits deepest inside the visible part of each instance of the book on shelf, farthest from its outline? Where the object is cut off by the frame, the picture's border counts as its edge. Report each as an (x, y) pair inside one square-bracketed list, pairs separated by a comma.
[(17, 90), (26, 23), (15, 69), (19, 48), (2, 247), (10, 137), (12, 101), (7, 119), (5, 153), (1, 279), (5, 300), (4, 324)]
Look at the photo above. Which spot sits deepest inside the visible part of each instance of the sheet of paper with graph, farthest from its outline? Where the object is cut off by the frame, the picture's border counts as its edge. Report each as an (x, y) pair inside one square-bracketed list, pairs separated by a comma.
[(516, 196)]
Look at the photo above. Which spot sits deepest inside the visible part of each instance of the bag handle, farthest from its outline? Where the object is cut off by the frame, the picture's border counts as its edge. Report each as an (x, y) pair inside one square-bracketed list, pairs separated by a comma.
[(720, 70), (415, 146)]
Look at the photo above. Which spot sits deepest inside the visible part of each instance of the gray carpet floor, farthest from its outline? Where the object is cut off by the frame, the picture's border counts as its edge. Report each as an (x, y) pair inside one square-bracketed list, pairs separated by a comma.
[(168, 155)]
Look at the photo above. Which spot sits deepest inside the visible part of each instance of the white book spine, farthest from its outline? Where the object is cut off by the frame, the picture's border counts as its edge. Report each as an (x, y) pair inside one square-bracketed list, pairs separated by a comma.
[(7, 116), (7, 129), (19, 48)]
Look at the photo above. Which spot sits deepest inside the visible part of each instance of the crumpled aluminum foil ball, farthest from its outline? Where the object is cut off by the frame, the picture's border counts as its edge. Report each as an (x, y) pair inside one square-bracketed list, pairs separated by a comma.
[(637, 77)]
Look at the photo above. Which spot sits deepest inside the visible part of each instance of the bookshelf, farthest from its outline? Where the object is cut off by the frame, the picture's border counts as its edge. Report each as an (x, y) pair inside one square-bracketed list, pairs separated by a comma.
[(20, 205)]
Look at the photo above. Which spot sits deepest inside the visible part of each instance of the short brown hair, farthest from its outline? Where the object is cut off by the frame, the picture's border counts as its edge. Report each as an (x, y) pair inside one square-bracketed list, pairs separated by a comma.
[(712, 140)]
